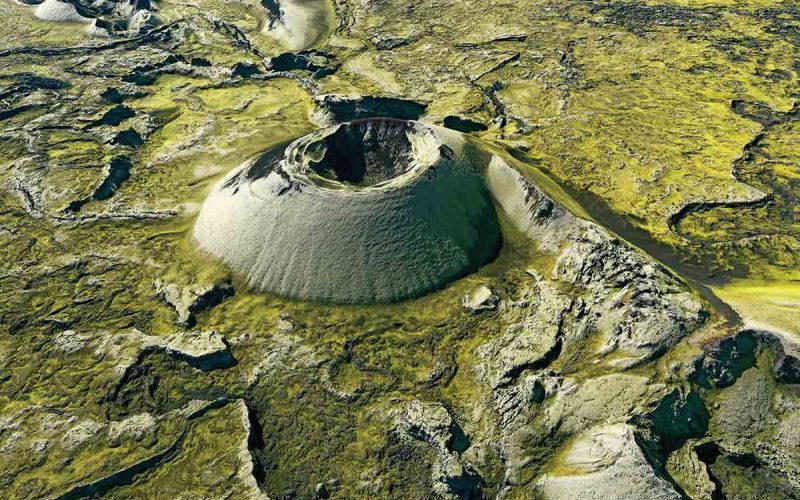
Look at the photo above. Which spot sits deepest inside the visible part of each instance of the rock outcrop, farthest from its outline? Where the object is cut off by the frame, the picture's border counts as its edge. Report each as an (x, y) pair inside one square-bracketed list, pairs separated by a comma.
[(607, 463), (637, 305), (452, 477), (332, 109), (191, 300)]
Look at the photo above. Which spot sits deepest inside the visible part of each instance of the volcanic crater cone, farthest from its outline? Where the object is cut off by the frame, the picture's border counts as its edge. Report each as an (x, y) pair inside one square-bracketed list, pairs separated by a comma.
[(374, 210)]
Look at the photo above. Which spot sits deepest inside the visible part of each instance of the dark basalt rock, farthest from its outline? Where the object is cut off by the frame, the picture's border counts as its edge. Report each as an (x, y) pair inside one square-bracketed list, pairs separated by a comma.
[(112, 94), (115, 116), (724, 361), (200, 62), (755, 111), (145, 70), (40, 82), (129, 137), (10, 113), (118, 172), (463, 124), (140, 78), (245, 70), (274, 11), (679, 417), (339, 109), (25, 83), (315, 61)]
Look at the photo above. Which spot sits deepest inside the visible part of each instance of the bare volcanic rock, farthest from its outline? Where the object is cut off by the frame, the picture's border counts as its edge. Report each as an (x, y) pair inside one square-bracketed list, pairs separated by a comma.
[(608, 463), (374, 210), (331, 109), (639, 307)]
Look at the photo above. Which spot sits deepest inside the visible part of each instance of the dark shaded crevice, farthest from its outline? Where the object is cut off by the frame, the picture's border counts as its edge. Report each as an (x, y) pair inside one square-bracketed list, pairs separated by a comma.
[(125, 476), (499, 39), (128, 475), (28, 82), (678, 418), (768, 118), (657, 465), (316, 62), (255, 444), (129, 138), (346, 108), (11, 113), (210, 298), (113, 116), (465, 125), (117, 172), (708, 454)]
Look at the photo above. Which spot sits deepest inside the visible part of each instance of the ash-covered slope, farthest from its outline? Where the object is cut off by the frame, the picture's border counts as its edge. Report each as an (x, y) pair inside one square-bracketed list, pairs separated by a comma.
[(374, 210)]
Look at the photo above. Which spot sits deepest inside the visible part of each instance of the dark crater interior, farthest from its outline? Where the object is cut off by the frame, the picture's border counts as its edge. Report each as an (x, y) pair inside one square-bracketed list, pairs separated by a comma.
[(366, 152)]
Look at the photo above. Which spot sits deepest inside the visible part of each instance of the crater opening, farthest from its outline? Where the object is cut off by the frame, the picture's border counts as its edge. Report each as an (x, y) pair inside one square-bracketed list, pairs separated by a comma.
[(291, 222), (366, 152)]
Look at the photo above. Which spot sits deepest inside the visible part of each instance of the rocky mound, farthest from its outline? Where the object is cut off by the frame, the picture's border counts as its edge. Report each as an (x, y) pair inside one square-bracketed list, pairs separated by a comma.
[(369, 211), (608, 463), (107, 17), (55, 10)]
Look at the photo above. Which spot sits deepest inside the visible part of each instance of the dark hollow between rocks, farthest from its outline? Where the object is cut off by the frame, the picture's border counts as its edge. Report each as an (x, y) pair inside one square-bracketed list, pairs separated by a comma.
[(366, 152)]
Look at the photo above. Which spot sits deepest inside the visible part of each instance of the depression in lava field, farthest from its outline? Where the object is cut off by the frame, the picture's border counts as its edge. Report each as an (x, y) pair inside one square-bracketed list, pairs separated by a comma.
[(383, 249)]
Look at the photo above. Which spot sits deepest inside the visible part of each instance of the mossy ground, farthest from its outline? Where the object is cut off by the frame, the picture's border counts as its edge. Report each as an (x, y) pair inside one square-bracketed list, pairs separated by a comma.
[(628, 103)]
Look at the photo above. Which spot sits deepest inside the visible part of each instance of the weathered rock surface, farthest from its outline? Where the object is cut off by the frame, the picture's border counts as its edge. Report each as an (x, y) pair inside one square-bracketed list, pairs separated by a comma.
[(332, 109), (638, 306), (608, 463), (531, 343), (432, 423), (193, 299), (480, 299)]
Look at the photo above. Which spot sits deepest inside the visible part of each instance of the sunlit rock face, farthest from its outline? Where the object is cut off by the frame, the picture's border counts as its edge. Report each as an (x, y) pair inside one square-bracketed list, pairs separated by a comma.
[(296, 24), (375, 210), (54, 10)]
